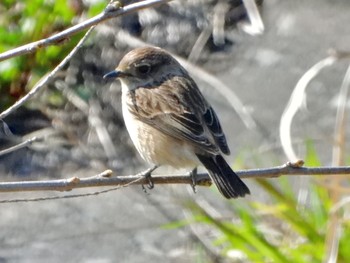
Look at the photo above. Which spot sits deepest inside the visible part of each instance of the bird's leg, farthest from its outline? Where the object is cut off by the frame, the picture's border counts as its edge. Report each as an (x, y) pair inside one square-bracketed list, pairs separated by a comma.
[(193, 175), (148, 175)]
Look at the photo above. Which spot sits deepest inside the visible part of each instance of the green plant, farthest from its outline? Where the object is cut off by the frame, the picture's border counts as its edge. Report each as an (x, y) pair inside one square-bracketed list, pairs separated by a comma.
[(283, 230), (26, 21)]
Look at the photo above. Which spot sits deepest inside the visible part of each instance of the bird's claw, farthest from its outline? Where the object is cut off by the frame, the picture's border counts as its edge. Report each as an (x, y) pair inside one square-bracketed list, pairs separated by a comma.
[(193, 175), (148, 176), (150, 184)]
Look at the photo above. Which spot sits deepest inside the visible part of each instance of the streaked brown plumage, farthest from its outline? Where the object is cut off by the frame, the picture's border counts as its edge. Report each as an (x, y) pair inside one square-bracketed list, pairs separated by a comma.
[(169, 120)]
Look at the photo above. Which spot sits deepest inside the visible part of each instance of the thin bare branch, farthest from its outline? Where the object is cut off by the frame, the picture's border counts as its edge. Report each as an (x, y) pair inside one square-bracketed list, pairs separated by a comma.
[(100, 128), (92, 111), (49, 198), (18, 146), (41, 84), (202, 179), (114, 9), (256, 26), (72, 97), (219, 13), (199, 44)]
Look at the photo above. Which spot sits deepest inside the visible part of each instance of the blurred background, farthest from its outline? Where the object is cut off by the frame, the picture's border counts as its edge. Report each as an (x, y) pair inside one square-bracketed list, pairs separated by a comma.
[(240, 66)]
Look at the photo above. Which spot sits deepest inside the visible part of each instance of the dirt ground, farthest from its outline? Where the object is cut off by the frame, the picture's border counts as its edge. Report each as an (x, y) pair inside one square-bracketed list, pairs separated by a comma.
[(128, 225)]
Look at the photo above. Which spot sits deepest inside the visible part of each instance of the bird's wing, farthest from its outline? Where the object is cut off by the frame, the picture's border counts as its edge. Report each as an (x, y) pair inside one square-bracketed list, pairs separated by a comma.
[(177, 108)]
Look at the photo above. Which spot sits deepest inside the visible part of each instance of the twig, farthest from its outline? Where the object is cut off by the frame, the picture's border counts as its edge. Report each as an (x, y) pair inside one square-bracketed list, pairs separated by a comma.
[(18, 146), (256, 26), (112, 10), (219, 13), (101, 131), (92, 111), (199, 44), (45, 79), (72, 97), (48, 198), (202, 179)]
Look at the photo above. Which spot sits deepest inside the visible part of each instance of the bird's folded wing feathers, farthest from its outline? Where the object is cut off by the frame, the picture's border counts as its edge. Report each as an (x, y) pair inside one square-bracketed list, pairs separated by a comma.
[(179, 110)]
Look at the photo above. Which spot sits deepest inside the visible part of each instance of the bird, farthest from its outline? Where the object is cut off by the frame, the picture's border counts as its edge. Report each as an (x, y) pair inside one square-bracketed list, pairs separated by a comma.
[(169, 120)]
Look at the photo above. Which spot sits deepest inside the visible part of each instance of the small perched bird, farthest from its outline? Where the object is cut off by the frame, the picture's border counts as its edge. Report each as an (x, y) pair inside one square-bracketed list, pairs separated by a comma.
[(169, 120)]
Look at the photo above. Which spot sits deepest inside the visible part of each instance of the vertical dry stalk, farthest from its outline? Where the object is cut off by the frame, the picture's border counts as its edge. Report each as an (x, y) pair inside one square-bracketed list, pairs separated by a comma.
[(334, 225)]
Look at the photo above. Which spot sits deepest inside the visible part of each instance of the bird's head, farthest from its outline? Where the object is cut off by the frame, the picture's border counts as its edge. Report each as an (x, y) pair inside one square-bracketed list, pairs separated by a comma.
[(146, 67)]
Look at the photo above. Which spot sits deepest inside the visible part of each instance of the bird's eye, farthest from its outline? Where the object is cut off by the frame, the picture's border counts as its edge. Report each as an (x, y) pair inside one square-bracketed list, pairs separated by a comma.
[(144, 69)]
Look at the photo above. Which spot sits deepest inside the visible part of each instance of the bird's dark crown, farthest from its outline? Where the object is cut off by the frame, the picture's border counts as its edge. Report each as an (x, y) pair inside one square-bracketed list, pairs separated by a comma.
[(148, 62), (146, 55)]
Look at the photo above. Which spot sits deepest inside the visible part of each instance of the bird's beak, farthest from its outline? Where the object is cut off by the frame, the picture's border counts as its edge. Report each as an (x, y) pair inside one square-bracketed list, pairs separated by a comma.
[(114, 74)]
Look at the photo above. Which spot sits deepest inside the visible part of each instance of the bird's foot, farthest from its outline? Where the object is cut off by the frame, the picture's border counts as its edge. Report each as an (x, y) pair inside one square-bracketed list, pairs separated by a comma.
[(148, 175), (193, 175)]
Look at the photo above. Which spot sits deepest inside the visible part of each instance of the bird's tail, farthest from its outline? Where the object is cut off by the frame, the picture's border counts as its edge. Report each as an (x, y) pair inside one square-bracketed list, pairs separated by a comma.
[(228, 183)]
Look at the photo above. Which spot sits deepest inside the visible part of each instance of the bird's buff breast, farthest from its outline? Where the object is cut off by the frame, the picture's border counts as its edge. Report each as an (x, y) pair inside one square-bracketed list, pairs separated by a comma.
[(156, 147)]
